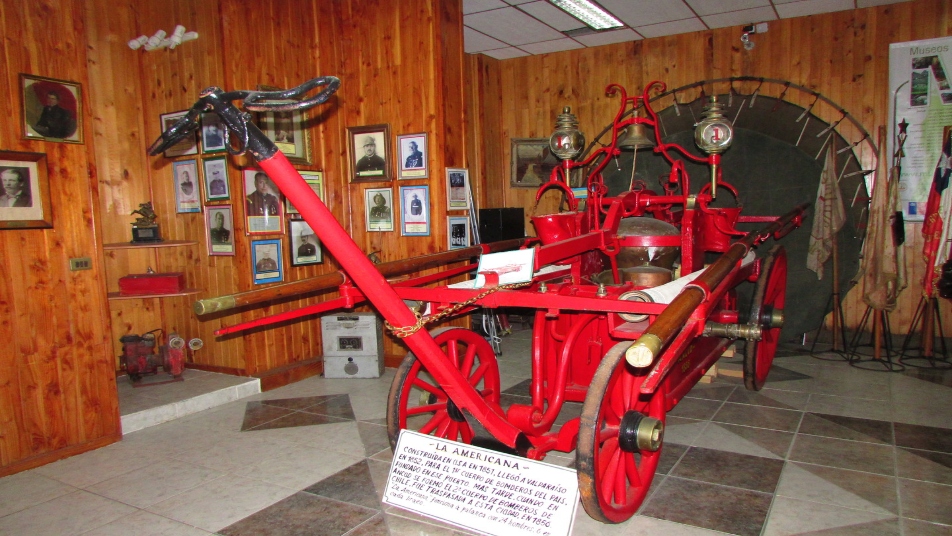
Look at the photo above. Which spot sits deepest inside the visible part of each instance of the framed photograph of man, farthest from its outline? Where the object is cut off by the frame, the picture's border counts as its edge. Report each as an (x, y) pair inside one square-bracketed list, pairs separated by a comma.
[(262, 203), (266, 261), (314, 179), (219, 225), (305, 246), (415, 210), (24, 191), (413, 156), (187, 190), (378, 207), (457, 189), (214, 135), (286, 130), (52, 109), (457, 232), (370, 153), (187, 146), (216, 179), (532, 162)]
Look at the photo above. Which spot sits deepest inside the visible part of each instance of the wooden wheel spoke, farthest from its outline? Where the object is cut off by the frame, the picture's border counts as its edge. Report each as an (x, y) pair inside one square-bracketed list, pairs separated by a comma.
[(632, 472), (434, 422), (468, 359), (428, 387), (419, 410)]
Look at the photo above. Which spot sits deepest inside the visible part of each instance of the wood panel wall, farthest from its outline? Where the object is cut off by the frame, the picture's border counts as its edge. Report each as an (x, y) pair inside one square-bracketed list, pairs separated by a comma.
[(843, 55), (400, 64), (57, 379)]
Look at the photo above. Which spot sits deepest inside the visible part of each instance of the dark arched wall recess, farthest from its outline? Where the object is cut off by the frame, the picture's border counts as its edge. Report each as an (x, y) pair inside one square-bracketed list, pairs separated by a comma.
[(772, 174)]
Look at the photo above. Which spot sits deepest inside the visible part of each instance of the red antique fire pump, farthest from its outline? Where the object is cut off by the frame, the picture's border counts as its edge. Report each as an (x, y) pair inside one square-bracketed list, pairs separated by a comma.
[(139, 356), (613, 328)]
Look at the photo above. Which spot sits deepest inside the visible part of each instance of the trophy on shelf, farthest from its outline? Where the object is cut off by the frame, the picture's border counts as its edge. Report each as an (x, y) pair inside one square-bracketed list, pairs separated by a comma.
[(145, 229)]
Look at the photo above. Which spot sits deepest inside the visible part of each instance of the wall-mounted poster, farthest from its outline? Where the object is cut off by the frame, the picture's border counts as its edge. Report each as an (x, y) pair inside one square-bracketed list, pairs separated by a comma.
[(185, 175), (188, 145), (314, 179), (213, 133), (216, 179), (413, 156), (262, 203), (532, 162), (457, 231), (52, 109), (378, 207), (457, 189), (266, 261), (305, 246), (219, 223), (415, 210), (370, 153), (24, 191), (287, 131), (920, 96)]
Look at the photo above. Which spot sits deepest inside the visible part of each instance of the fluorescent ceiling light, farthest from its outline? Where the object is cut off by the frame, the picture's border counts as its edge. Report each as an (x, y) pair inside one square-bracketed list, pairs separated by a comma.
[(589, 13)]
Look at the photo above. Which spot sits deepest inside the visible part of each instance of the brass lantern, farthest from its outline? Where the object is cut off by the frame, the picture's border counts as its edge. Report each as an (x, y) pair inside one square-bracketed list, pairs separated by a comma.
[(713, 134), (567, 141)]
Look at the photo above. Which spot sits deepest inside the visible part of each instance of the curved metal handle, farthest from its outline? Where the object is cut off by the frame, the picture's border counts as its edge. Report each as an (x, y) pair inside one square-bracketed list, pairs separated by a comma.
[(214, 100), (257, 101)]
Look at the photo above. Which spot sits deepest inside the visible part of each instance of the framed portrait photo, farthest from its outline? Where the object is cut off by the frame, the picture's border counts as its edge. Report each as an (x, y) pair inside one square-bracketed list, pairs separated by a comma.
[(263, 207), (370, 153), (415, 210), (187, 190), (219, 226), (215, 171), (52, 109), (287, 131), (266, 261), (314, 179), (532, 162), (457, 232), (305, 246), (214, 134), (187, 146), (25, 197), (413, 156), (378, 209), (457, 189)]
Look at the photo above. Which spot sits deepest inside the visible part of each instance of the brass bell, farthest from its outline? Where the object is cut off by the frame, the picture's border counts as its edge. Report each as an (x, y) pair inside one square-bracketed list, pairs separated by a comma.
[(635, 137)]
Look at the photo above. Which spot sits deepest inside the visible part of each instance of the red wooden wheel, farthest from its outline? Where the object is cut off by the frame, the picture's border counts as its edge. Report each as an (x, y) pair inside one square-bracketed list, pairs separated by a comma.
[(417, 402), (615, 463), (766, 310)]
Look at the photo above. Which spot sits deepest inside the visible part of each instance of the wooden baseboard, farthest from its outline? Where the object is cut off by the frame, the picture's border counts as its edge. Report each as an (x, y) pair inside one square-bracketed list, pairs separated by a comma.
[(214, 368), (281, 376), (56, 455)]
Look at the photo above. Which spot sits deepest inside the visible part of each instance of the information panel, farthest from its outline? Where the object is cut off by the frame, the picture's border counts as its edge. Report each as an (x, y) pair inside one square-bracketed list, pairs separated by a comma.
[(922, 98), (480, 489)]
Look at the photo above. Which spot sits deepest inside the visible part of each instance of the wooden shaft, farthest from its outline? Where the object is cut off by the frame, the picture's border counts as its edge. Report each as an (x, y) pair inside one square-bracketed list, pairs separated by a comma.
[(331, 280), (643, 352)]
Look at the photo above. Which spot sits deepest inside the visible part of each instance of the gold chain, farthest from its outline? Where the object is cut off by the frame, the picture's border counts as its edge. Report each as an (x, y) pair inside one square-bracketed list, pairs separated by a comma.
[(406, 331)]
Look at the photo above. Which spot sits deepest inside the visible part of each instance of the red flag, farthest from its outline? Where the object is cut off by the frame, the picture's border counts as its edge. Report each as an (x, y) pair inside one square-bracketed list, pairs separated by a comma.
[(935, 228)]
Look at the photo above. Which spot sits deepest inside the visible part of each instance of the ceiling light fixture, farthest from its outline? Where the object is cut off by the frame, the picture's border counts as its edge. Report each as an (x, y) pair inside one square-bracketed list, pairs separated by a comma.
[(589, 13)]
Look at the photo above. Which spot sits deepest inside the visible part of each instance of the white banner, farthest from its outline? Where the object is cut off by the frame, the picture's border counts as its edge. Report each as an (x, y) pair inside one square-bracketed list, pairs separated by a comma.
[(480, 489), (920, 95)]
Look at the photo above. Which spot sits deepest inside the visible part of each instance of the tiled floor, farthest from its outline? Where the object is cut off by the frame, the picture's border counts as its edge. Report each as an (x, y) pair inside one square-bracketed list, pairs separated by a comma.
[(824, 448)]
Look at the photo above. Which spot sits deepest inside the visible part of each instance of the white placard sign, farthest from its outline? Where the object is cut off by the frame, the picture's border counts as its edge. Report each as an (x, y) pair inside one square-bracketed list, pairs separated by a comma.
[(480, 489), (920, 95)]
